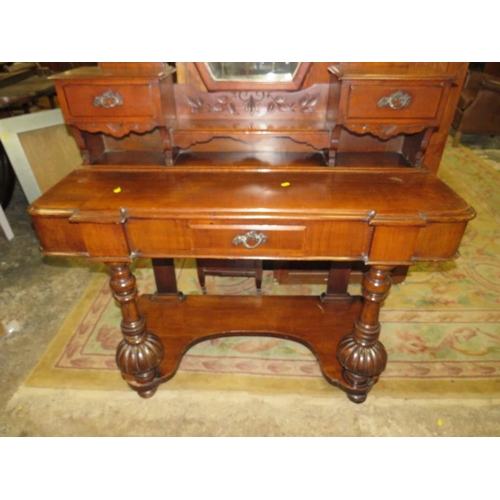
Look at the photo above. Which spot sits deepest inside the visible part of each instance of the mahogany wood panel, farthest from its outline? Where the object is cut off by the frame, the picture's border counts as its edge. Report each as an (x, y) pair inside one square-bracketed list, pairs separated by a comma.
[(437, 142), (396, 68), (58, 235), (105, 240), (394, 243), (219, 238), (340, 194), (430, 242), (364, 99), (136, 100), (320, 326), (309, 104), (158, 236)]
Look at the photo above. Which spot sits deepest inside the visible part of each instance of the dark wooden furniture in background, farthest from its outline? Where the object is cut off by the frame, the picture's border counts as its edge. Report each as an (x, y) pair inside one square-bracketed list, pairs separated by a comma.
[(20, 90), (218, 267), (478, 109), (335, 163)]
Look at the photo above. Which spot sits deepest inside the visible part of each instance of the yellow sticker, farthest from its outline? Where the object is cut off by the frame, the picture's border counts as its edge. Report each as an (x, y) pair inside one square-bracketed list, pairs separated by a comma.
[(117, 190), (285, 184), (440, 422)]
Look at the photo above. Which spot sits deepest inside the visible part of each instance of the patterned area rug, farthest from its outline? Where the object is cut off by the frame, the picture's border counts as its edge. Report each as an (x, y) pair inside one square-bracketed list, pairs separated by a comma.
[(441, 327)]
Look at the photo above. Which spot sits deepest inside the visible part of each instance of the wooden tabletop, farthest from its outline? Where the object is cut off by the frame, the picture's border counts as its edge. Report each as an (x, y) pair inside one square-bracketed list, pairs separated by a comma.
[(327, 193)]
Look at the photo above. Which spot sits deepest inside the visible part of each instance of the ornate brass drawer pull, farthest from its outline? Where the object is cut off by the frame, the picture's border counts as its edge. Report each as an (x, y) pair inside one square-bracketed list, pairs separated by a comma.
[(398, 100), (108, 100), (251, 239)]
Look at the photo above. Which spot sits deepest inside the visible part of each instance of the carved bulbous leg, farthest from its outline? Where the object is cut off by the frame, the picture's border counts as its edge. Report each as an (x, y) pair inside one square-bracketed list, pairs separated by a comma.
[(140, 352), (360, 353)]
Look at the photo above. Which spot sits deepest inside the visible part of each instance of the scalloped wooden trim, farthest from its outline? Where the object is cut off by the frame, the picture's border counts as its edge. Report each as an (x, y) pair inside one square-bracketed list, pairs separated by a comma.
[(384, 130), (117, 129), (186, 139)]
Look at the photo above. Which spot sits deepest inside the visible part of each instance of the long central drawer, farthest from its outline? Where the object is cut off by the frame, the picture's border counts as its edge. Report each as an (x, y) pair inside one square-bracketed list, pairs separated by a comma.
[(248, 239)]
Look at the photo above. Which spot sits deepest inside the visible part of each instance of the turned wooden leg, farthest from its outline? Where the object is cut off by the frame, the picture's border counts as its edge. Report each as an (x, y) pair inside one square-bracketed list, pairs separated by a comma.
[(338, 281), (360, 353), (164, 272), (140, 352), (259, 272)]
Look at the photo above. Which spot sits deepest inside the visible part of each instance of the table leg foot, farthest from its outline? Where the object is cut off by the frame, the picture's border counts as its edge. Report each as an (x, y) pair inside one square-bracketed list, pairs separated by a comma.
[(147, 394), (145, 384), (357, 398)]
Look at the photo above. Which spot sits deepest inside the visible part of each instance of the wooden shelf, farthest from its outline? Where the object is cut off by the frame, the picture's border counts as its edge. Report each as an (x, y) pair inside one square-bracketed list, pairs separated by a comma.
[(251, 159), (259, 160), (375, 159), (154, 158), (181, 323)]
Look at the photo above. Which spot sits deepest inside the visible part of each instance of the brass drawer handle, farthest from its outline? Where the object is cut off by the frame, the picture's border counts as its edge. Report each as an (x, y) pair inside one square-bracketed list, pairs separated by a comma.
[(108, 100), (398, 100), (251, 239)]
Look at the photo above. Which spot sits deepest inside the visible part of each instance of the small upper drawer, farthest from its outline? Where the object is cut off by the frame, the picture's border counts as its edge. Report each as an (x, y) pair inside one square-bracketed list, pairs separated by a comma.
[(248, 239), (392, 101), (110, 101)]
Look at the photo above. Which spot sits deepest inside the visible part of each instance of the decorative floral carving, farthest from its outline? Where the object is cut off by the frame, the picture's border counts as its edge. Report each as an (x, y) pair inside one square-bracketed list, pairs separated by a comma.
[(252, 103), (222, 103), (305, 105)]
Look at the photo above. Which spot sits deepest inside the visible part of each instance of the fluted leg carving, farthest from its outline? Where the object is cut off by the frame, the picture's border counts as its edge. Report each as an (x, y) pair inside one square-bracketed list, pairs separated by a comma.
[(360, 353), (140, 352)]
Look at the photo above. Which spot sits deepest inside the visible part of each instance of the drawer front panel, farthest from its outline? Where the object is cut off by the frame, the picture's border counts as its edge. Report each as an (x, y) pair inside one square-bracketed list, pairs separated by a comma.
[(155, 237), (340, 239), (248, 239), (402, 101), (94, 101), (57, 234)]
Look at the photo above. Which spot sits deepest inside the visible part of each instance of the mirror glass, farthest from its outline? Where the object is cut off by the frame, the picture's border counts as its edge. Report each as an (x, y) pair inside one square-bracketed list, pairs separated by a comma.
[(253, 71)]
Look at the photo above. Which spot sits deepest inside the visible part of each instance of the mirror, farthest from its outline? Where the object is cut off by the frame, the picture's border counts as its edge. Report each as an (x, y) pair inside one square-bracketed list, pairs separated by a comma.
[(253, 71)]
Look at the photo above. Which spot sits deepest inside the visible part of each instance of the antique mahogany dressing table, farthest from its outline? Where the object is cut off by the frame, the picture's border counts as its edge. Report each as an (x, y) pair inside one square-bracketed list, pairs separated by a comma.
[(245, 162)]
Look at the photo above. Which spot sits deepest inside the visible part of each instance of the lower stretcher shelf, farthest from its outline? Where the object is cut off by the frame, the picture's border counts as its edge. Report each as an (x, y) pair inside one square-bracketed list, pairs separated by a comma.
[(182, 322)]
